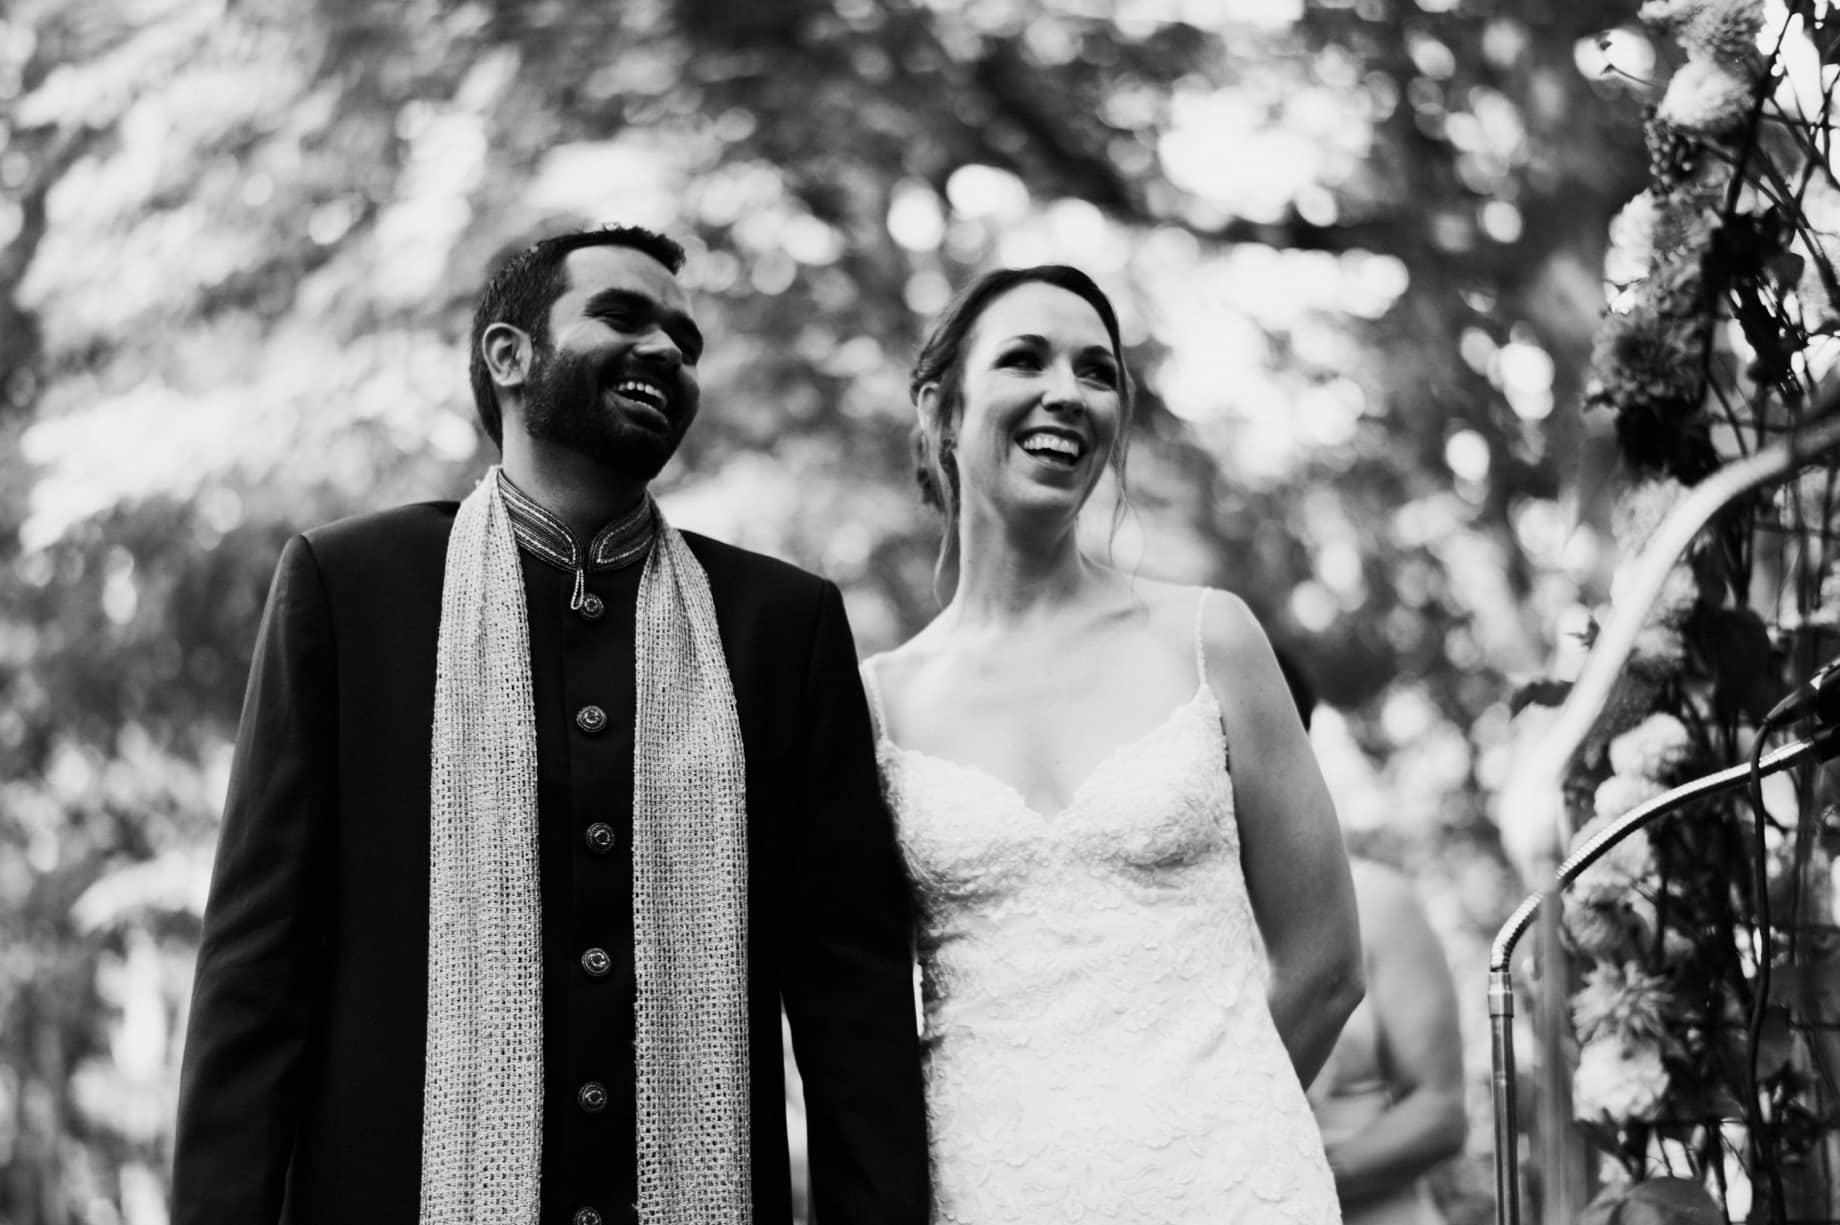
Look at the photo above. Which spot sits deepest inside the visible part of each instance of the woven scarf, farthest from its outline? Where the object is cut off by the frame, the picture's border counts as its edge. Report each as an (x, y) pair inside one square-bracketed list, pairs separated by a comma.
[(483, 1094)]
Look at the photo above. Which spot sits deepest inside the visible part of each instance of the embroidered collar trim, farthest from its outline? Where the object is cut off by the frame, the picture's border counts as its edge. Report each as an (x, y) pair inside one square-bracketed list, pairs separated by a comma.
[(618, 545)]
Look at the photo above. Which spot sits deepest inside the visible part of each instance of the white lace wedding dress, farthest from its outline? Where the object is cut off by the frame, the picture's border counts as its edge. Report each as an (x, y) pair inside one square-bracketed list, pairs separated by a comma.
[(1097, 1041)]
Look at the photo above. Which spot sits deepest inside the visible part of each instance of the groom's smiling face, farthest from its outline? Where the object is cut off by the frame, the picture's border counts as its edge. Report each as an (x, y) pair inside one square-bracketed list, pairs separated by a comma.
[(617, 380)]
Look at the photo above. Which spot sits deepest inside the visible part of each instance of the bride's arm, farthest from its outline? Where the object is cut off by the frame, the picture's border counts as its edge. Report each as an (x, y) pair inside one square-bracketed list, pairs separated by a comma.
[(1290, 842)]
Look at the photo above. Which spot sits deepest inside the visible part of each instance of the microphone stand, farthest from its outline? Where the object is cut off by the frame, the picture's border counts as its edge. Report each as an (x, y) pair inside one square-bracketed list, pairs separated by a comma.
[(1822, 745)]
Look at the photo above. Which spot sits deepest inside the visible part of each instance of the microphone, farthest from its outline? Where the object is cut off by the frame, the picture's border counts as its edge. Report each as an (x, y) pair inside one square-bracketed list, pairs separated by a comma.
[(1819, 695)]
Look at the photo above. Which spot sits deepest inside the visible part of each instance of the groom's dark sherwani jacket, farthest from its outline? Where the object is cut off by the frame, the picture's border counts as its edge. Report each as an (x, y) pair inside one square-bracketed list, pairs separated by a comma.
[(301, 1096)]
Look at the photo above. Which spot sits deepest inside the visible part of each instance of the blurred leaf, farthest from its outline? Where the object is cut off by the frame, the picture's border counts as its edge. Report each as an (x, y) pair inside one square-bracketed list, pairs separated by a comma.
[(1749, 683), (1653, 1201), (1541, 692), (1669, 1201)]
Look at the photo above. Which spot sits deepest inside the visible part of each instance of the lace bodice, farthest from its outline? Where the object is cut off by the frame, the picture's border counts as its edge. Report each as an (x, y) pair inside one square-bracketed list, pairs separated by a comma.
[(1097, 1038)]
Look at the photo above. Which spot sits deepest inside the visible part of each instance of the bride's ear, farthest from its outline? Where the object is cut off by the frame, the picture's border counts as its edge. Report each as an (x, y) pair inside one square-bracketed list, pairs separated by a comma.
[(926, 402)]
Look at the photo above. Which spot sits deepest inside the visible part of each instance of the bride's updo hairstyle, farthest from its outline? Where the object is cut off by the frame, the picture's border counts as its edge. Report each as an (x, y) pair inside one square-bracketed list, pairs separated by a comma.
[(942, 362)]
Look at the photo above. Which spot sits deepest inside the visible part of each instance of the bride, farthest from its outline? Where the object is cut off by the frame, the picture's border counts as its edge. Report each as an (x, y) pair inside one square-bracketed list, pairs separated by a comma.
[(1136, 926)]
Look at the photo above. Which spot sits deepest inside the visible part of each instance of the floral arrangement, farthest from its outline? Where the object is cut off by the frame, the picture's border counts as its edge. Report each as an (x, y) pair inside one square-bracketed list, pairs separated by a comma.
[(1716, 342)]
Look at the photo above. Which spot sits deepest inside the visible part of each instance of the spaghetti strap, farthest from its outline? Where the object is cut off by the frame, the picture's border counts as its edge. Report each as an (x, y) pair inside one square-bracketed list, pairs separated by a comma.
[(873, 692), (1201, 603), (1200, 642)]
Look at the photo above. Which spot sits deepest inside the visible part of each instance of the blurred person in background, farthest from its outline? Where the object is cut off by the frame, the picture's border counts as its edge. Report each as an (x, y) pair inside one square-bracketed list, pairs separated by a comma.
[(1096, 889), (1390, 1097), (539, 810)]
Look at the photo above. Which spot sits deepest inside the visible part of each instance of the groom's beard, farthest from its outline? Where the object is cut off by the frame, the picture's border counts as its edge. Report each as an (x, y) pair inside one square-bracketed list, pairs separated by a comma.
[(570, 403)]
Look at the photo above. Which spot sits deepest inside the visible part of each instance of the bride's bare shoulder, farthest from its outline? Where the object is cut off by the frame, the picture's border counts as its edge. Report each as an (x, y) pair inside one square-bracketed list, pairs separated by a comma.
[(1172, 608), (915, 652), (894, 671)]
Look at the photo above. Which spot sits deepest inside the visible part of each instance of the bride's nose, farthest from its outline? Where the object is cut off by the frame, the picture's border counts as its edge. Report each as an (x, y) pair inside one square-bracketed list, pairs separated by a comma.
[(1062, 390)]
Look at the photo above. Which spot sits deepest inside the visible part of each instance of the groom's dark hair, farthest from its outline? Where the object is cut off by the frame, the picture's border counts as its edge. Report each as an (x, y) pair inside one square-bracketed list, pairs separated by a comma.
[(523, 288)]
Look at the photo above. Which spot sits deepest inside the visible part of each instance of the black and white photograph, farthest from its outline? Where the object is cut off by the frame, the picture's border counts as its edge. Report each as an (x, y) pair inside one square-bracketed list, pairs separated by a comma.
[(919, 612)]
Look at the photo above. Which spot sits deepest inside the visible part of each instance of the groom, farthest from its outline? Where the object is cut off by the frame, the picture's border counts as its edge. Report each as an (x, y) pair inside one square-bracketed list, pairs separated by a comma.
[(539, 811)]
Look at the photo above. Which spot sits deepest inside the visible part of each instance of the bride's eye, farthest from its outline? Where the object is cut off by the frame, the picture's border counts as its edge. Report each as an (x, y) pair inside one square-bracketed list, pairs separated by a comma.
[(1019, 359)]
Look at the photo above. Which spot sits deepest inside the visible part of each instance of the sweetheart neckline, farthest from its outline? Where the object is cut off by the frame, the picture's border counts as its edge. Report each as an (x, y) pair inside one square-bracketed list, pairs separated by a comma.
[(1202, 690)]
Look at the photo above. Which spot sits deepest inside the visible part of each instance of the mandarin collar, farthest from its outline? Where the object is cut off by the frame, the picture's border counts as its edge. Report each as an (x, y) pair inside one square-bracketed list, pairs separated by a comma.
[(617, 545)]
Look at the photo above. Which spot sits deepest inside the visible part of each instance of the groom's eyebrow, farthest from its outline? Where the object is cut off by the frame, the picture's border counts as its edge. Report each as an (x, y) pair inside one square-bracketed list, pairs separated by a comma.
[(677, 325)]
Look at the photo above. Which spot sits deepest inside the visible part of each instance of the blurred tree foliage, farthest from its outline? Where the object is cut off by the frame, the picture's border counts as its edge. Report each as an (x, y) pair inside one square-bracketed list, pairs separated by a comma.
[(1357, 243)]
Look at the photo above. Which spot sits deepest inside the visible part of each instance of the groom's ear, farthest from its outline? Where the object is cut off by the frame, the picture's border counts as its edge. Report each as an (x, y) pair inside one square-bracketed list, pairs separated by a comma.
[(507, 352)]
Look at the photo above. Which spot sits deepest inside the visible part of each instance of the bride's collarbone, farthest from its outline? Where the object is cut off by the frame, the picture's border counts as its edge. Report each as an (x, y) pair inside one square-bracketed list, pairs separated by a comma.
[(1039, 697), (1054, 666), (1043, 729)]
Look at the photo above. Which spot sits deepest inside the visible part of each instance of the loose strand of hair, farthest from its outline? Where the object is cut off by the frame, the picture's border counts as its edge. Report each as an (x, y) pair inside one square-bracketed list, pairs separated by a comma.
[(948, 540)]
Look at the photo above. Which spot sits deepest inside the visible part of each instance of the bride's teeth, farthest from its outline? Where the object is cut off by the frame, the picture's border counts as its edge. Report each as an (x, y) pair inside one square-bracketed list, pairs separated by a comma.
[(1048, 442)]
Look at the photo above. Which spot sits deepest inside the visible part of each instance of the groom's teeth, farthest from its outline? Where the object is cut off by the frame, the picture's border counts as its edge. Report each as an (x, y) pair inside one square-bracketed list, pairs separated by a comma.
[(641, 391)]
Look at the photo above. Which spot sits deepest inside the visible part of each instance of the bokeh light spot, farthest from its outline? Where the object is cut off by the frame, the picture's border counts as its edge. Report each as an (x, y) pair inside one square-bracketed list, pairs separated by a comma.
[(976, 190), (915, 219), (1467, 454)]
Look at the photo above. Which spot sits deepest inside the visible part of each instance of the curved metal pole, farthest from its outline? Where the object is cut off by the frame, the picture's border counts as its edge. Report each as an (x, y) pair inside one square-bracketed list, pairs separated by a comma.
[(1824, 744)]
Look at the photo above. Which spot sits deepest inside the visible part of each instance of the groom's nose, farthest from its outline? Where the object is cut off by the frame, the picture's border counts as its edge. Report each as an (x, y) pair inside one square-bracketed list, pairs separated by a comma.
[(657, 347)]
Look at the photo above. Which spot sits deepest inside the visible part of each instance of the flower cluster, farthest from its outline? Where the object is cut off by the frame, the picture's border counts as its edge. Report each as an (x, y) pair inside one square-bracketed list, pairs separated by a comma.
[(1620, 1016), (1713, 92), (1649, 368), (1710, 31), (1632, 241), (1653, 750), (1618, 1081), (1706, 97), (1646, 369), (1622, 1003), (1718, 238), (1609, 914)]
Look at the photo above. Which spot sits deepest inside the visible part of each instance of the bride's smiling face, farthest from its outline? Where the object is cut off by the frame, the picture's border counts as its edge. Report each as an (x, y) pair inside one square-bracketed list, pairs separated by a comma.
[(1040, 401)]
